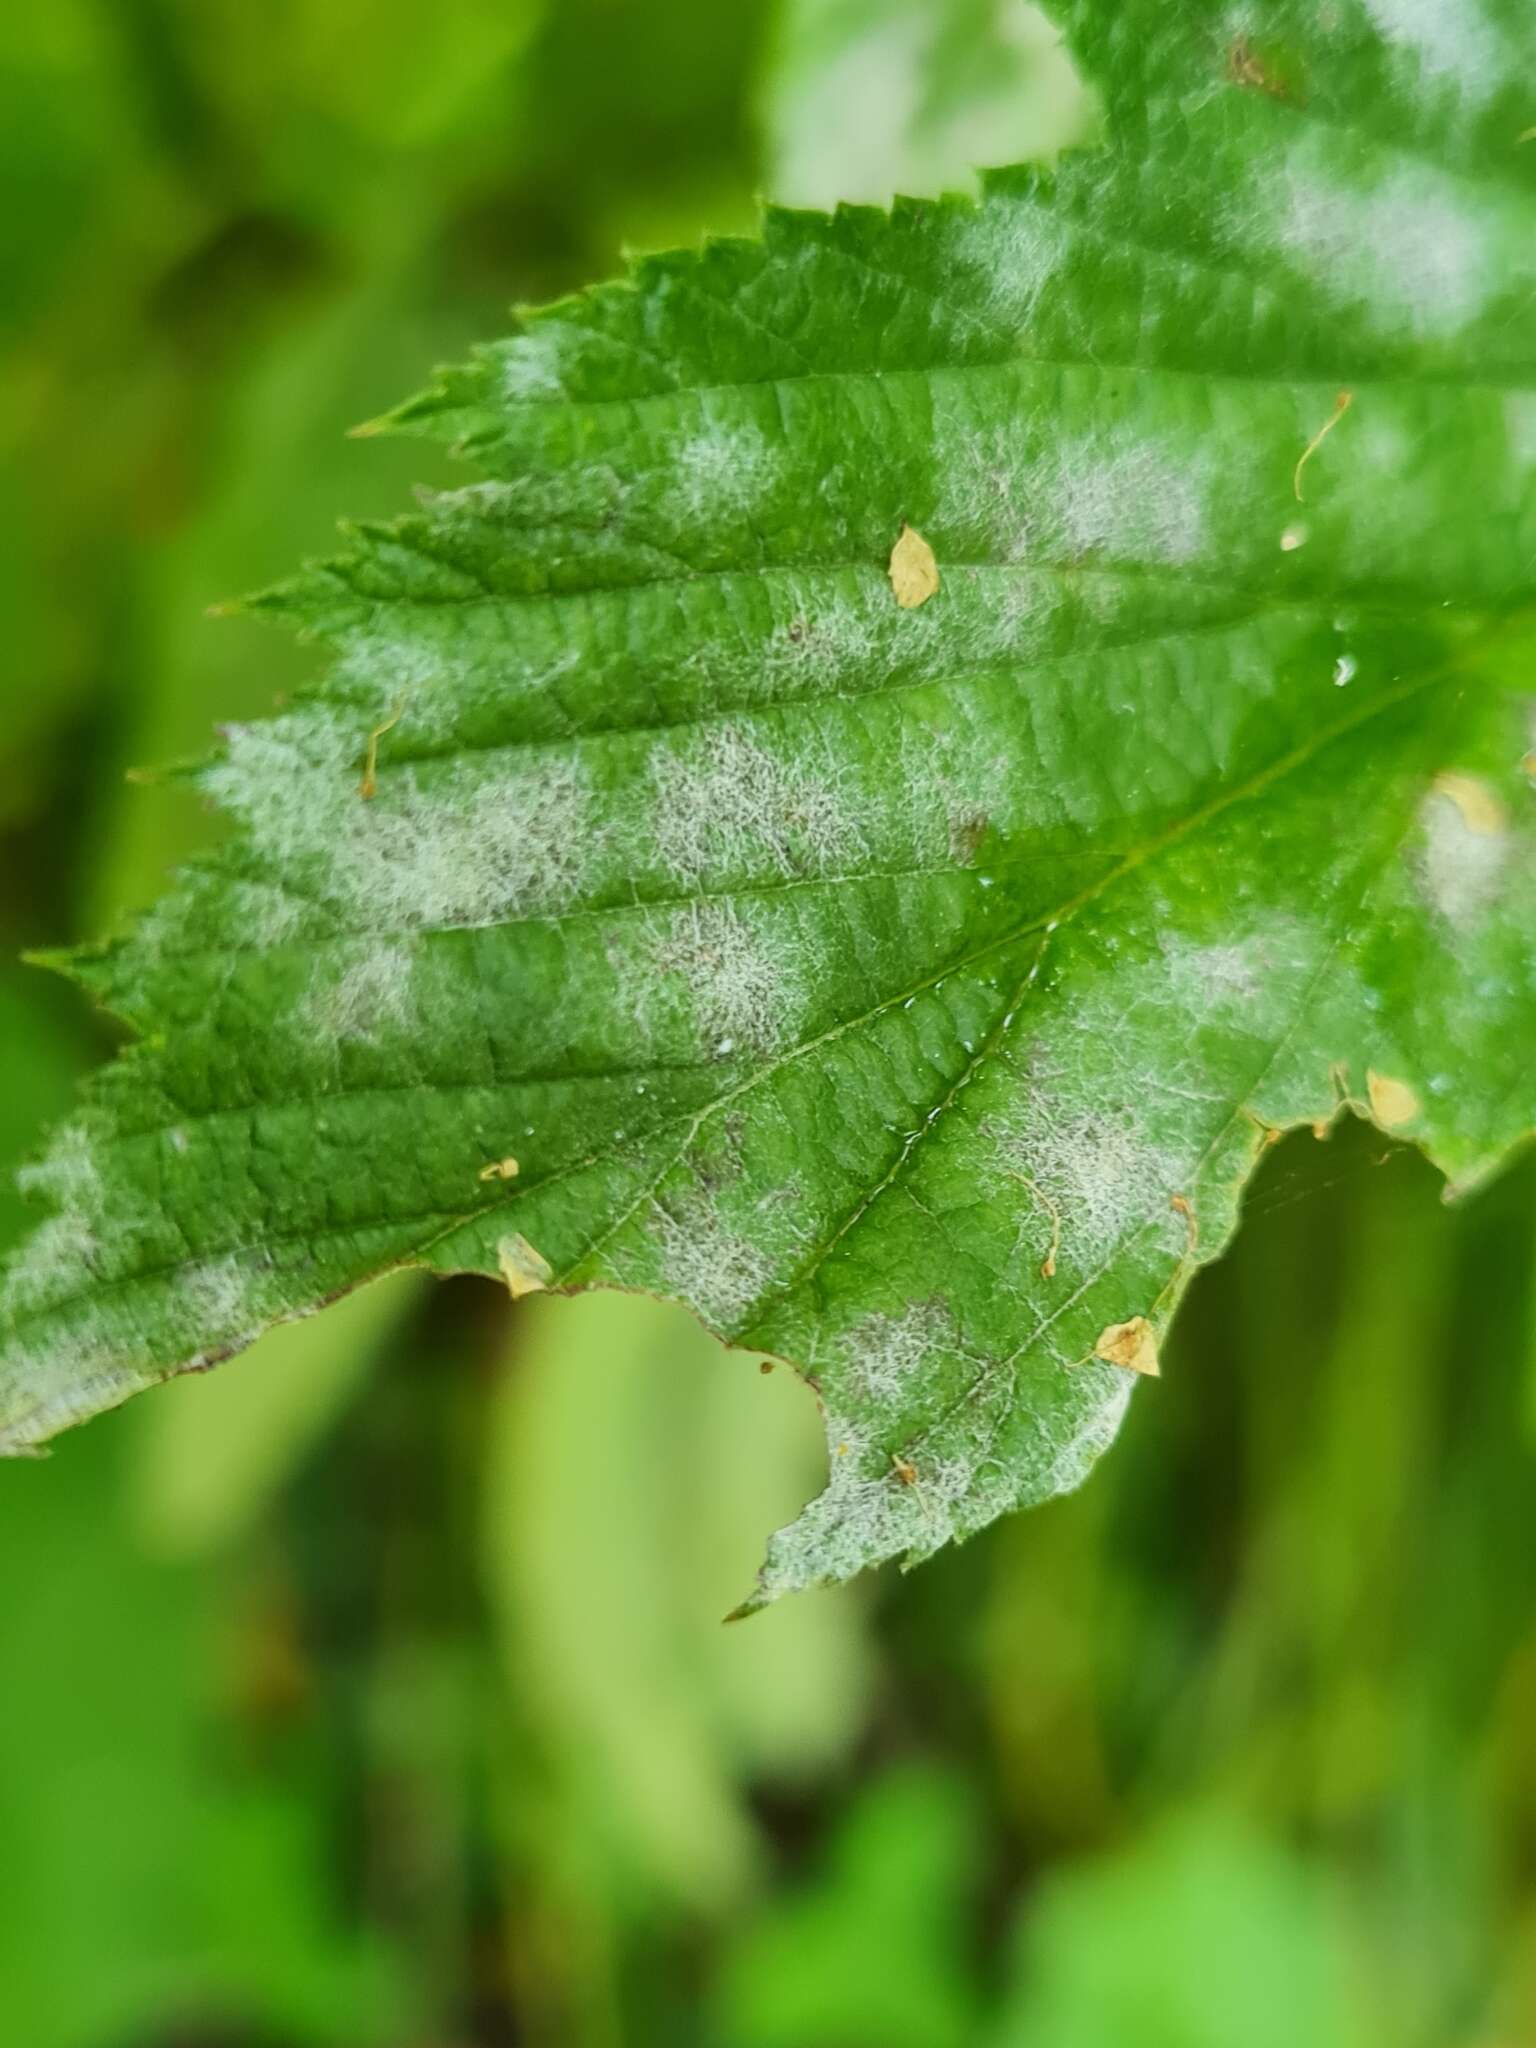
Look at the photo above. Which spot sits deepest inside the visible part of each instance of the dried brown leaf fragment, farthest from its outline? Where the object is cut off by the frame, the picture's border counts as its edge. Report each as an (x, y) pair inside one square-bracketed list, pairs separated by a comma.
[(1131, 1344), (914, 569), (1392, 1102), (524, 1270)]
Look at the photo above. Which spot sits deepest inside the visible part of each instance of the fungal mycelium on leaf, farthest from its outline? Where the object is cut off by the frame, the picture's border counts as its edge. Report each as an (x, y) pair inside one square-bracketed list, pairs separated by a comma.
[(898, 949)]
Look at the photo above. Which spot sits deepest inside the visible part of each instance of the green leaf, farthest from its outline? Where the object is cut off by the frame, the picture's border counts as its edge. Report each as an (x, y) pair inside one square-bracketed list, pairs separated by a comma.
[(812, 1969), (630, 1473), (908, 991), (867, 98), (1220, 1935)]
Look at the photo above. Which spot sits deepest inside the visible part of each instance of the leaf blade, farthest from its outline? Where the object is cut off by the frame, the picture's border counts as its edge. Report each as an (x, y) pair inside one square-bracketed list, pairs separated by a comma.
[(909, 991)]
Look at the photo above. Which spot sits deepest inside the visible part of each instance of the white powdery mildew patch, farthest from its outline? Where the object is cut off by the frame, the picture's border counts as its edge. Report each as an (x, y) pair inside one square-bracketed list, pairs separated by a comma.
[(885, 1357), (834, 644), (419, 680), (869, 1512), (1007, 251), (724, 471), (55, 1260), (1411, 252), (1461, 871), (261, 913), (63, 1376), (1250, 981), (724, 804), (397, 676), (220, 1300), (851, 640), (826, 639), (1089, 1174), (1204, 977), (1116, 494), (1520, 427), (535, 365), (746, 993), (1143, 501), (718, 1265), (955, 785), (53, 1264), (1450, 42), (46, 1384), (364, 994), (467, 844), (987, 487), (1075, 1457)]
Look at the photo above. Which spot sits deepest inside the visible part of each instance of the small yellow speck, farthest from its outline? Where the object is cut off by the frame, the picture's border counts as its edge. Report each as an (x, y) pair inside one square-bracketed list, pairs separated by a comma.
[(914, 570), (1392, 1102), (1132, 1344), (500, 1169), (524, 1270)]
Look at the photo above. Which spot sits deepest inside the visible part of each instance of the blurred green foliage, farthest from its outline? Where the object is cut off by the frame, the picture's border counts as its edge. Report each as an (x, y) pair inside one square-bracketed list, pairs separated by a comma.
[(372, 1691)]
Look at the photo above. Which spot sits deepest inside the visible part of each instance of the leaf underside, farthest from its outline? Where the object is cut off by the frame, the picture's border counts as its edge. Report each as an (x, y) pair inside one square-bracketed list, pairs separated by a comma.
[(909, 991)]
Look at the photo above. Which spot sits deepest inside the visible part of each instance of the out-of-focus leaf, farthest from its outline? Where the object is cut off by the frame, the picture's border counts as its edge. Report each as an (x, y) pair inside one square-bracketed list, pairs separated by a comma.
[(874, 1948), (153, 1871), (406, 78), (868, 98), (64, 132), (632, 1468), (212, 1456), (1202, 1937)]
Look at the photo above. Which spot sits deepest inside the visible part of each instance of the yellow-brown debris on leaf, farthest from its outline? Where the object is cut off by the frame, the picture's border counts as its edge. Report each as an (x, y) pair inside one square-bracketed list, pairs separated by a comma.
[(914, 570), (500, 1169), (1244, 67), (1482, 811), (368, 788), (524, 1270), (904, 1469), (1341, 406), (1132, 1344), (1392, 1102)]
